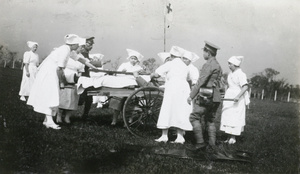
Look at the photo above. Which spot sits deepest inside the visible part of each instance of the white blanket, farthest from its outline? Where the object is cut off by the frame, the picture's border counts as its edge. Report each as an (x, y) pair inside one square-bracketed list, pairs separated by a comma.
[(107, 81)]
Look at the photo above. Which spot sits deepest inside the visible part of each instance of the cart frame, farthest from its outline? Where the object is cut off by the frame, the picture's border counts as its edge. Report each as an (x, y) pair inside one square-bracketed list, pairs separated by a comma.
[(141, 108)]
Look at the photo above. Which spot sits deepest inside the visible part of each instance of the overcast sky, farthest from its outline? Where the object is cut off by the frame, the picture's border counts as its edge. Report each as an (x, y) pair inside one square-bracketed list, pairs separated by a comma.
[(266, 33)]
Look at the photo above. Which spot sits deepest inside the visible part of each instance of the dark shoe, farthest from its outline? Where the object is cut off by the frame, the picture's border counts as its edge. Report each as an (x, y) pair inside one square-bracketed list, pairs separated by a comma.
[(84, 116), (216, 152), (196, 147)]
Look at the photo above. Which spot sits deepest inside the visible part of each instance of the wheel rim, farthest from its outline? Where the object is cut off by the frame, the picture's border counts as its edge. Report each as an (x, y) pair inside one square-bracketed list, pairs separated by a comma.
[(141, 111)]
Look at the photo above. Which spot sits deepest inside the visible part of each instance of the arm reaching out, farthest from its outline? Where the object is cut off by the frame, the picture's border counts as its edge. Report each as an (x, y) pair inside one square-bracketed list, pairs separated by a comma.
[(244, 89), (87, 63)]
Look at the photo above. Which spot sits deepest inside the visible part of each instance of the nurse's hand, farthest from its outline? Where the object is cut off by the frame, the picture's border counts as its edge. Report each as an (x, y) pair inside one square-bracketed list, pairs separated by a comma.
[(27, 74), (236, 99)]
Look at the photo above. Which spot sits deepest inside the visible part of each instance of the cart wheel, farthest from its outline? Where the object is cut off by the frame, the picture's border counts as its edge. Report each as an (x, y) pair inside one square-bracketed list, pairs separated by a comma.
[(141, 110)]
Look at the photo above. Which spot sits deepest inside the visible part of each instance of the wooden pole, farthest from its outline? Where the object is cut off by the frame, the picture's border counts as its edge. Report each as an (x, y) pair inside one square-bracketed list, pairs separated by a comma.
[(262, 94), (275, 96), (165, 19), (289, 94), (116, 72)]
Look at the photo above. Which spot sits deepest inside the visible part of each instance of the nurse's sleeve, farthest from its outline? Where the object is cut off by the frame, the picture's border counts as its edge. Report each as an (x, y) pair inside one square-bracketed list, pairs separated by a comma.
[(163, 69), (194, 75), (63, 57), (26, 57), (242, 79), (121, 67)]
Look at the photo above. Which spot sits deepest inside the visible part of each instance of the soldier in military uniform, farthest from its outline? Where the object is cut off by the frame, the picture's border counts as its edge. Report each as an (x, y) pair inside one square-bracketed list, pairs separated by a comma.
[(207, 97), (84, 98)]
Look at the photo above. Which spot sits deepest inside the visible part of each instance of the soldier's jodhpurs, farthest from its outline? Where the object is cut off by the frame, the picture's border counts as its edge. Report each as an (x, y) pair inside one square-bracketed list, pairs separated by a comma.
[(204, 114)]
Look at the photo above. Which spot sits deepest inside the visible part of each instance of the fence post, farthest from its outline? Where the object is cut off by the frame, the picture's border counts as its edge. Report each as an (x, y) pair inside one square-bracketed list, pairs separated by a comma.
[(288, 99), (262, 94), (275, 96)]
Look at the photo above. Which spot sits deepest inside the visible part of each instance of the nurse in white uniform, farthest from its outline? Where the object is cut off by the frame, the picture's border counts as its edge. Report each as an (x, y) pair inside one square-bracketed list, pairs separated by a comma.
[(44, 95), (31, 62), (233, 117)]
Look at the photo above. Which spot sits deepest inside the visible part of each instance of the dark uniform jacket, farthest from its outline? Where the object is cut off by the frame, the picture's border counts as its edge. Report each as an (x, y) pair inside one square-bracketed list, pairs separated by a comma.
[(86, 72), (210, 77)]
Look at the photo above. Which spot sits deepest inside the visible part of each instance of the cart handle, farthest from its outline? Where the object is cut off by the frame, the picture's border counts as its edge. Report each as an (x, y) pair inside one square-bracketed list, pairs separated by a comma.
[(116, 72), (227, 99)]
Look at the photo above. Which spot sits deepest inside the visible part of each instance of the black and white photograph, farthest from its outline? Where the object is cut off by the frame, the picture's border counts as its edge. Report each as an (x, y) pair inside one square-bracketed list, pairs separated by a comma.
[(139, 86)]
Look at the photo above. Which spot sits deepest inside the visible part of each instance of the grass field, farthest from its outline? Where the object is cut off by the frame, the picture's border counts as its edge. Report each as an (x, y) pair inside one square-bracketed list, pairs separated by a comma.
[(26, 146)]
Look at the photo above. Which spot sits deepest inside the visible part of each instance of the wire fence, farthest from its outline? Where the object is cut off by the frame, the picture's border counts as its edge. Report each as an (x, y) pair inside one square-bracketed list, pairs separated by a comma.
[(275, 95)]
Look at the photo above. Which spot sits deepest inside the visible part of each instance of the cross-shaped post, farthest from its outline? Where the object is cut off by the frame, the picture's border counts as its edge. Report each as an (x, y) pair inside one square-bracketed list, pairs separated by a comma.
[(169, 8)]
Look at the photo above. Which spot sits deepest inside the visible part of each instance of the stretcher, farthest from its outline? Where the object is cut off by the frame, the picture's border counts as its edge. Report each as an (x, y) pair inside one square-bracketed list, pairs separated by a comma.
[(142, 106)]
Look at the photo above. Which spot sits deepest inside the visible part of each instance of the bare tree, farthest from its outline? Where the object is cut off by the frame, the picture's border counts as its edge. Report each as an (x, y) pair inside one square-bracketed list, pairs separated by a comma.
[(13, 57), (271, 74), (5, 55), (150, 65), (116, 63)]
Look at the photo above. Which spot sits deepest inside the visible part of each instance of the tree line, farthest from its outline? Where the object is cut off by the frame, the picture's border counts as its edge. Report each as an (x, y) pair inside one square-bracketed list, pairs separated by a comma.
[(9, 58), (266, 85)]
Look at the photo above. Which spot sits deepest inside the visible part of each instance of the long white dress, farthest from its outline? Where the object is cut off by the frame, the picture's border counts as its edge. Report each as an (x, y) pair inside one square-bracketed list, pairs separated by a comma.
[(233, 114), (33, 61), (175, 110), (68, 97), (44, 95)]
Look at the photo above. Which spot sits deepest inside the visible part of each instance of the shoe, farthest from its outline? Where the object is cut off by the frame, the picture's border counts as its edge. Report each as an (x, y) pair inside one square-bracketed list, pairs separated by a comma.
[(53, 126), (226, 141), (84, 116), (196, 147), (22, 98), (130, 120), (231, 141), (58, 119), (113, 123), (162, 139), (179, 141), (67, 120), (99, 105)]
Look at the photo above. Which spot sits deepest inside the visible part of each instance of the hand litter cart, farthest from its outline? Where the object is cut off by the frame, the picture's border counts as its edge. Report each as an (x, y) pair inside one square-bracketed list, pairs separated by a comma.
[(141, 108)]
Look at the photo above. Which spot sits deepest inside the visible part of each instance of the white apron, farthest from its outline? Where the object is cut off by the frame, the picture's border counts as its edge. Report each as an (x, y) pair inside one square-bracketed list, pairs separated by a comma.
[(234, 113)]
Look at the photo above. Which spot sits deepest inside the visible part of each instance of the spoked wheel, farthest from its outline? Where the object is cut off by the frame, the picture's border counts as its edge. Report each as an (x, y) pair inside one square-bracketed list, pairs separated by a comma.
[(141, 110)]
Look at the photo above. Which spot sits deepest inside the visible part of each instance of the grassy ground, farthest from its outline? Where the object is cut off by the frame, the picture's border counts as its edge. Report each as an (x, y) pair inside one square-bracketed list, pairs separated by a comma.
[(271, 133)]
